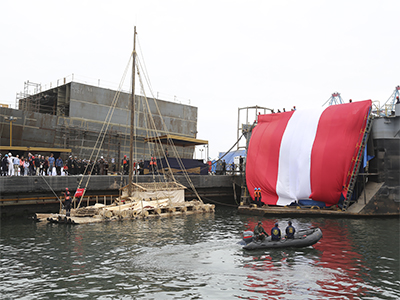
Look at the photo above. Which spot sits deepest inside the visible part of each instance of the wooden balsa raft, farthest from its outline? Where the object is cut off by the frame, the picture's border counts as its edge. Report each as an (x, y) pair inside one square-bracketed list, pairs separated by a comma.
[(146, 200), (101, 213)]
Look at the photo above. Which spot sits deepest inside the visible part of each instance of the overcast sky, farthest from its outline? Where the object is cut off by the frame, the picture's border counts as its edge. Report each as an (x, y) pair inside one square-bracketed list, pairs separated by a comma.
[(221, 55)]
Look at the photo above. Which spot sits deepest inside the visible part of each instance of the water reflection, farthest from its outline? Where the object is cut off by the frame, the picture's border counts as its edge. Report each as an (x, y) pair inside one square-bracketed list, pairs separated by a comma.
[(343, 265)]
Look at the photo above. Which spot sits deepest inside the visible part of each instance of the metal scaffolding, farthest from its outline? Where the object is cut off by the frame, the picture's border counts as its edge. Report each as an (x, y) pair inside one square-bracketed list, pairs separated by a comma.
[(30, 89)]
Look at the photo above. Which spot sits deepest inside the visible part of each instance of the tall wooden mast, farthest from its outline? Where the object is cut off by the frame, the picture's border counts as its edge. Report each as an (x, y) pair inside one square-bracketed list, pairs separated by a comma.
[(131, 161)]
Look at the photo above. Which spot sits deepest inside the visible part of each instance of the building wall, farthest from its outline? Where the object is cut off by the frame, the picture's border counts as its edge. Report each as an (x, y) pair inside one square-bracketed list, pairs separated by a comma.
[(93, 103), (78, 115)]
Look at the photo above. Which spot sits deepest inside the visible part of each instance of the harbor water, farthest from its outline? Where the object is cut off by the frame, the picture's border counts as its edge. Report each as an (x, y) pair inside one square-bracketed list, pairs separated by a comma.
[(197, 257)]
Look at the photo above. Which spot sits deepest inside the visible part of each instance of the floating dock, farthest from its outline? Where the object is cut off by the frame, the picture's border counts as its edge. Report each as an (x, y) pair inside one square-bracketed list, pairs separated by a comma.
[(369, 204)]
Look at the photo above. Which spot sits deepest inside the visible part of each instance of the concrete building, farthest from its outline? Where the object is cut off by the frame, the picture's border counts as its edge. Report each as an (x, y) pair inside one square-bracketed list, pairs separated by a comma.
[(71, 117)]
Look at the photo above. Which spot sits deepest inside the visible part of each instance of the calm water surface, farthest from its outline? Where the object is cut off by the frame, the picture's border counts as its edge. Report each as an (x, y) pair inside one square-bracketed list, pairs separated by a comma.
[(197, 257)]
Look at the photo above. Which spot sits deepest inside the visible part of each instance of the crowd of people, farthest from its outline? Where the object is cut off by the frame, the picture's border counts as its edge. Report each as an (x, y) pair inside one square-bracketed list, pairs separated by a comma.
[(35, 165), (24, 166), (222, 167)]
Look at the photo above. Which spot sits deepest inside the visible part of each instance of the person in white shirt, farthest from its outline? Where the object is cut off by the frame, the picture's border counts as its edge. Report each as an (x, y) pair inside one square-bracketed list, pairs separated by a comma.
[(10, 164)]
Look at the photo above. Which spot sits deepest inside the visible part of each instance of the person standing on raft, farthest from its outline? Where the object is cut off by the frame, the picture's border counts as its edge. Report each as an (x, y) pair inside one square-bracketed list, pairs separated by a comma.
[(67, 202)]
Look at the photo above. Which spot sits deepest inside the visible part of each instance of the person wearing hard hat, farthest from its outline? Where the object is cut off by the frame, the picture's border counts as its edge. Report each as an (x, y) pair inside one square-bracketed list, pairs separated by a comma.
[(255, 196), (259, 204)]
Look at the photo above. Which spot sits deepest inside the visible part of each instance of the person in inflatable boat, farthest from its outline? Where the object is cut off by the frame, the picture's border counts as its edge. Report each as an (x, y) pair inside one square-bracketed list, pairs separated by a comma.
[(259, 233), (275, 233), (290, 231)]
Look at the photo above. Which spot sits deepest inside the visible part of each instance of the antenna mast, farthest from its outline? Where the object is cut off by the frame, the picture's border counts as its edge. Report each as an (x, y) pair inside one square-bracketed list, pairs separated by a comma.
[(131, 162)]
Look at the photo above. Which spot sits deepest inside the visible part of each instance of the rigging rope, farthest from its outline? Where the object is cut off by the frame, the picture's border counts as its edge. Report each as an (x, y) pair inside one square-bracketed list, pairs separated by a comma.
[(149, 120), (103, 131), (157, 137)]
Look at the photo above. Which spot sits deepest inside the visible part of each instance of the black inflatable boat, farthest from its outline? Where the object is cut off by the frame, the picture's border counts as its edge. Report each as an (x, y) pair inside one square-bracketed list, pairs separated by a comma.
[(302, 238)]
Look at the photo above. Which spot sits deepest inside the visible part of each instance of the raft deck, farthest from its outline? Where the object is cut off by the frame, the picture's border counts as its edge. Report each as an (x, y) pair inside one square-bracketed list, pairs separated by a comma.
[(89, 214)]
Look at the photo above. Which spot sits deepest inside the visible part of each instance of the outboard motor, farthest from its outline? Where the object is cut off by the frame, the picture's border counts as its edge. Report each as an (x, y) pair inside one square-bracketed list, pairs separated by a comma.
[(248, 236)]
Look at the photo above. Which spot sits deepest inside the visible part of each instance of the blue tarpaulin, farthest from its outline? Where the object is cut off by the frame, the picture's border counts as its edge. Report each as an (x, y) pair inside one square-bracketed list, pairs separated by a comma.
[(366, 157), (229, 159)]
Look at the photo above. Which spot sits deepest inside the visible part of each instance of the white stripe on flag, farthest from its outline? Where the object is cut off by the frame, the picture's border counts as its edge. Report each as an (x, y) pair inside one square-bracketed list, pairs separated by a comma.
[(295, 156)]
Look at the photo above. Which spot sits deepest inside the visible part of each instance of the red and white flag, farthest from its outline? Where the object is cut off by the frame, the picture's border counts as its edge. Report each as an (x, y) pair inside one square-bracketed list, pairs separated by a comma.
[(305, 154)]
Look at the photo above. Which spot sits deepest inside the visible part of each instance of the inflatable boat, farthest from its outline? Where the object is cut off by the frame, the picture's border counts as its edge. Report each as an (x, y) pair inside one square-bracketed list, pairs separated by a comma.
[(302, 238)]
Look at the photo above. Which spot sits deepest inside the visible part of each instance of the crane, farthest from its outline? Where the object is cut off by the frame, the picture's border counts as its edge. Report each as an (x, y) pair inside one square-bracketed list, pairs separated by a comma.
[(388, 106), (334, 99)]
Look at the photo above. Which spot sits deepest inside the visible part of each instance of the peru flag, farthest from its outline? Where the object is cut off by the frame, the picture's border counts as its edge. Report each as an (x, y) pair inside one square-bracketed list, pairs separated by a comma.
[(306, 154)]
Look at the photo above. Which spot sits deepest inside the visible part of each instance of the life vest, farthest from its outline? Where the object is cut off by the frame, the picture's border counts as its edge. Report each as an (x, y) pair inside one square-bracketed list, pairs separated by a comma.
[(67, 200), (255, 194), (151, 161)]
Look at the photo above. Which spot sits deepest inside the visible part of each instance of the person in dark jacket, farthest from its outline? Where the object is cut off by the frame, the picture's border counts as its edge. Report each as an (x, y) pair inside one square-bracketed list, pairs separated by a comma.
[(101, 165), (275, 233), (223, 167), (125, 166), (290, 231), (31, 160), (74, 167), (241, 160), (259, 203), (4, 165), (69, 165), (45, 165), (259, 232), (141, 167), (67, 202)]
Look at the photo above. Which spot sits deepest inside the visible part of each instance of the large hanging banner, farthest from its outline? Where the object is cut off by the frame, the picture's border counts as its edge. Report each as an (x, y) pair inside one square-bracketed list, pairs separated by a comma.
[(306, 154)]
